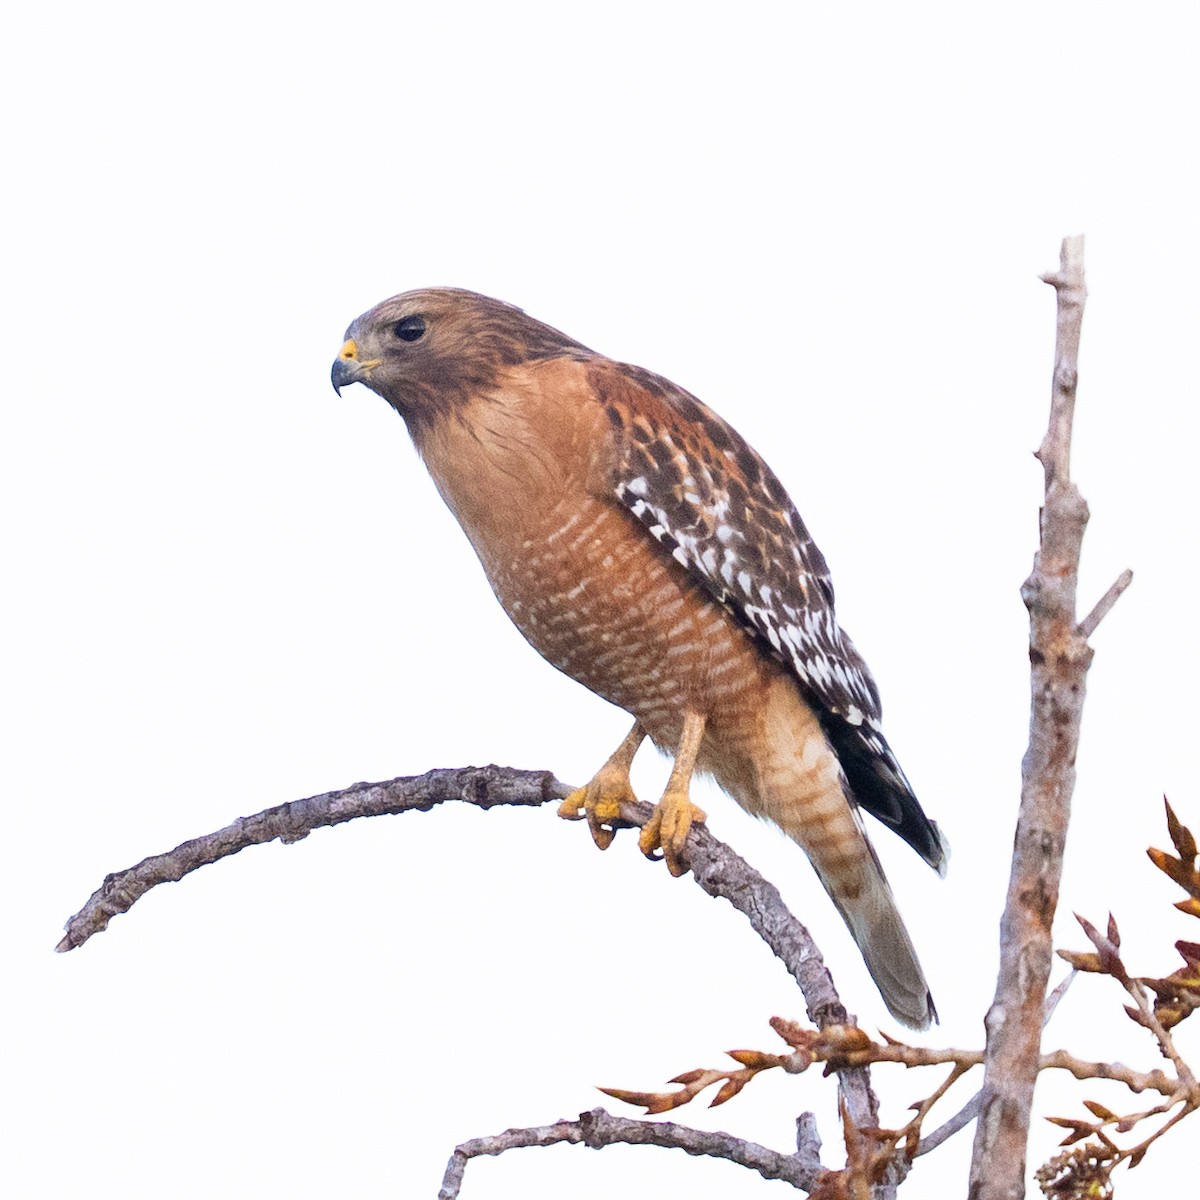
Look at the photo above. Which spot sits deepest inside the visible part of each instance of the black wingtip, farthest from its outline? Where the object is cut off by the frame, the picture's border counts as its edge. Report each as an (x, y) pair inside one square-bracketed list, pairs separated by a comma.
[(880, 787)]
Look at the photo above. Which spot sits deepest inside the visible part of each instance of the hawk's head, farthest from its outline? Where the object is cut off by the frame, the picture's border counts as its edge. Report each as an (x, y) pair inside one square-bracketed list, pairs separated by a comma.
[(426, 351)]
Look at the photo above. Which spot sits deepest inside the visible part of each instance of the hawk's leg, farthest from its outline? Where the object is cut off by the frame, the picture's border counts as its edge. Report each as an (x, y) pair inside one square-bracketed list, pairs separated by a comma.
[(599, 802), (674, 814)]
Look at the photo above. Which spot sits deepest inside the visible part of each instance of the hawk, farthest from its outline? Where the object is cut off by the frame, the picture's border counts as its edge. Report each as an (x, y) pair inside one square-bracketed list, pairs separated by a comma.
[(643, 548)]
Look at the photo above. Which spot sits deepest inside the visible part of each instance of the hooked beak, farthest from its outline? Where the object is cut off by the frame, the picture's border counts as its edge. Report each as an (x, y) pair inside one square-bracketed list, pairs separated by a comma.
[(349, 368)]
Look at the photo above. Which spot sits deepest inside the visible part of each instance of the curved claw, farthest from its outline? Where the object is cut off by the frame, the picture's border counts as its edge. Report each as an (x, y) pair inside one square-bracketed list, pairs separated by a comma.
[(599, 803), (668, 828)]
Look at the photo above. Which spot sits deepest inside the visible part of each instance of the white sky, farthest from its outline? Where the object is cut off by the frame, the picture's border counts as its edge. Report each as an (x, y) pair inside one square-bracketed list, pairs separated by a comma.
[(229, 588)]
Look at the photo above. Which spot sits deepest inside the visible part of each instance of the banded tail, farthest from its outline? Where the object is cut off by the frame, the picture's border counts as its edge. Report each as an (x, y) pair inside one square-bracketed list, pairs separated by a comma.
[(803, 789)]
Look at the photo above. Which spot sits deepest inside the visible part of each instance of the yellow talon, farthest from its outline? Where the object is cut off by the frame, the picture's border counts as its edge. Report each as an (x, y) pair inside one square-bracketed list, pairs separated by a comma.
[(600, 805), (669, 826), (599, 802), (674, 815)]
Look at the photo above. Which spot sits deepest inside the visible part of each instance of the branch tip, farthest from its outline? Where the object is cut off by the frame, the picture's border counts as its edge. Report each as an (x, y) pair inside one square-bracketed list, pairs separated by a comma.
[(1104, 605)]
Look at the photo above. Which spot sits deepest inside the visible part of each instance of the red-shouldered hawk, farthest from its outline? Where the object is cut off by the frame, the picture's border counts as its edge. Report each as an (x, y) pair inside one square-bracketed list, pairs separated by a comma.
[(643, 548)]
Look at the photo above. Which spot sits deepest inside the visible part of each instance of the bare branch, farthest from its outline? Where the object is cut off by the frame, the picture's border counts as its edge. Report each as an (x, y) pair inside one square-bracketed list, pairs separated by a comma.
[(718, 870), (482, 786), (808, 1138), (1055, 997), (1059, 658), (959, 1121), (1149, 1019), (1055, 450), (715, 867), (1135, 1081), (1088, 625), (599, 1128), (970, 1110)]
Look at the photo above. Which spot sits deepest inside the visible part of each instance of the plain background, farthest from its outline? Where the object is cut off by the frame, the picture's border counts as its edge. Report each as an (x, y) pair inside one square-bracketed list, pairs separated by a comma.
[(228, 588)]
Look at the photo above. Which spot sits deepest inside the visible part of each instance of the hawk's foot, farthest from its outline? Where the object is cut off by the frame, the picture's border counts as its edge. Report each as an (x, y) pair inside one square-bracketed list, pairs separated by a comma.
[(669, 826), (599, 802)]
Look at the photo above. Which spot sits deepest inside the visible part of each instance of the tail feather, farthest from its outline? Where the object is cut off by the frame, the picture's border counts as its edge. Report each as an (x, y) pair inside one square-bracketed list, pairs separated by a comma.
[(795, 779), (878, 930)]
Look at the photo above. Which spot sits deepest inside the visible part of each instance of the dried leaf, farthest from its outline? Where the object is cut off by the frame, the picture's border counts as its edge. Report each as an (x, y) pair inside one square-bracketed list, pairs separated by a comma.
[(1098, 1110), (1135, 1014), (638, 1099), (1181, 836), (1169, 1015), (1180, 872), (1081, 960), (1110, 960), (754, 1058), (730, 1088), (1114, 934), (1183, 988), (1190, 953), (1079, 1129)]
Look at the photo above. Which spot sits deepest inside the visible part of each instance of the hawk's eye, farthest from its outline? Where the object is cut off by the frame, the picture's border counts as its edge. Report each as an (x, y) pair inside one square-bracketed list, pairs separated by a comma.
[(409, 329)]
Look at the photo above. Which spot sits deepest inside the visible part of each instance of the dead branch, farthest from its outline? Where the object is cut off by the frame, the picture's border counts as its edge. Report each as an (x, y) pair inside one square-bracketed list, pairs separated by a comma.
[(485, 787), (841, 1046), (1059, 657), (717, 869), (599, 1128), (1088, 625)]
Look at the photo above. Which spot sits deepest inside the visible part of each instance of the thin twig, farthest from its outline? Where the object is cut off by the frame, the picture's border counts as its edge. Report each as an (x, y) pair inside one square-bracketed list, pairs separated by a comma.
[(599, 1128), (840, 1046), (1055, 998), (1088, 625), (1135, 1081), (959, 1121), (970, 1110), (482, 786), (1166, 1043)]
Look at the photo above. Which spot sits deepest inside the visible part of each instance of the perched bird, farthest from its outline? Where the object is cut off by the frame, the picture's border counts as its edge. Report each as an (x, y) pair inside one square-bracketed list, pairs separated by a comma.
[(643, 548)]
